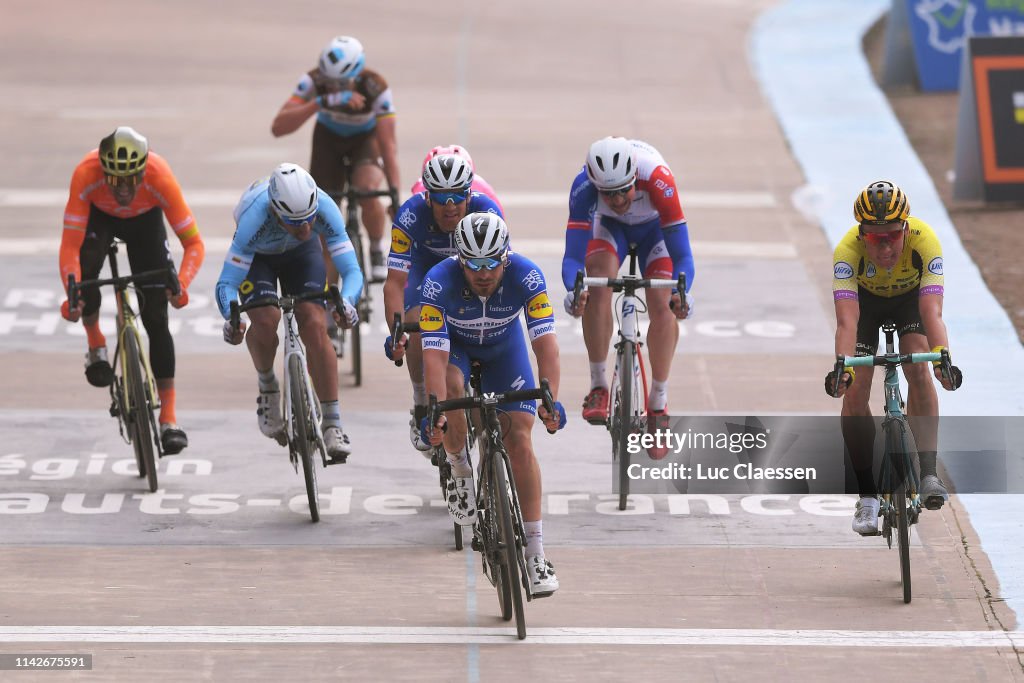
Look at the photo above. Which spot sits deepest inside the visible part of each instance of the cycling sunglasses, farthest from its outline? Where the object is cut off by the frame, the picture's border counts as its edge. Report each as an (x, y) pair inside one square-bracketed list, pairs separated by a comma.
[(609, 194), (478, 264), (123, 180), (881, 239), (449, 197), (297, 222)]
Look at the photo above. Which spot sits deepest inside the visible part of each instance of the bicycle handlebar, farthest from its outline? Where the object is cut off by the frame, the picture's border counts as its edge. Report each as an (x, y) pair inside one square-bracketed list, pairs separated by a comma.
[(168, 272), (286, 303), (629, 284), (399, 328), (896, 359), (543, 392)]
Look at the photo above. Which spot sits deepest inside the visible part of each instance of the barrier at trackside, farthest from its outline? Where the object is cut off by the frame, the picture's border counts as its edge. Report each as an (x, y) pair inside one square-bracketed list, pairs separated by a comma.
[(990, 122), (938, 31)]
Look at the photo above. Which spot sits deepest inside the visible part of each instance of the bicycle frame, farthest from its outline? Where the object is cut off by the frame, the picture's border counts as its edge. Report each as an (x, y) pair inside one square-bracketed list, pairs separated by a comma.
[(628, 391), (293, 348)]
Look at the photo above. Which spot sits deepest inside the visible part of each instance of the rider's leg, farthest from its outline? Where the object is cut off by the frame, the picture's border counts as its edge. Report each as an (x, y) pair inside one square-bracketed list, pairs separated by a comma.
[(455, 437), (323, 363), (923, 415), (662, 338), (261, 337), (368, 176), (597, 316), (519, 442)]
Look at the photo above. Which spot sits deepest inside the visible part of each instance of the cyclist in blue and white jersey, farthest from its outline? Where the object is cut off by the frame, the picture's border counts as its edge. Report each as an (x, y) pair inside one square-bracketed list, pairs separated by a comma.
[(469, 310), (275, 220), (421, 237)]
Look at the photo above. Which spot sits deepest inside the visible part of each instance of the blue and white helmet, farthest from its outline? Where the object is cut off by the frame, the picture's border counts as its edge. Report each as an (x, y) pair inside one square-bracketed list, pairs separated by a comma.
[(482, 235), (342, 58), (292, 192)]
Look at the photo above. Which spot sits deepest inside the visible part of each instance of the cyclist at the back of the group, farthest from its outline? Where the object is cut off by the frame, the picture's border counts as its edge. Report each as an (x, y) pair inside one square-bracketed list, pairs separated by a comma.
[(626, 194), (355, 121), (276, 219), (123, 190), (889, 267), (470, 308), (422, 236), (479, 184)]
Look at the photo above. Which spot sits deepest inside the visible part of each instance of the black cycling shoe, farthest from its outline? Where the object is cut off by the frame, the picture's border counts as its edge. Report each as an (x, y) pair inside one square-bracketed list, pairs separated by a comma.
[(97, 368), (172, 439)]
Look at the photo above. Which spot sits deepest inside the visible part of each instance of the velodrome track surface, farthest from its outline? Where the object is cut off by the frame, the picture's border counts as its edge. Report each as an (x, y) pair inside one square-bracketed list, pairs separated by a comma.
[(220, 576)]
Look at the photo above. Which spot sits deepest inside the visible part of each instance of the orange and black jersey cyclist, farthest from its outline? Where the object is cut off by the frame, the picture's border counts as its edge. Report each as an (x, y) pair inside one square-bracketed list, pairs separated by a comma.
[(122, 190)]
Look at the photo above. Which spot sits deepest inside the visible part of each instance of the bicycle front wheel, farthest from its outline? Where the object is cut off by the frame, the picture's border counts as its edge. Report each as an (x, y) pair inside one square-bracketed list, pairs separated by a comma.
[(355, 236), (510, 550), (139, 411), (899, 500), (304, 431), (625, 406)]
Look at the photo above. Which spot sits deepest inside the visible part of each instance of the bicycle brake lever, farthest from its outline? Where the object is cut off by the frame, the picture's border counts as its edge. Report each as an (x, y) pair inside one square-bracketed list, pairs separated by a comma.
[(235, 317), (72, 292), (396, 332)]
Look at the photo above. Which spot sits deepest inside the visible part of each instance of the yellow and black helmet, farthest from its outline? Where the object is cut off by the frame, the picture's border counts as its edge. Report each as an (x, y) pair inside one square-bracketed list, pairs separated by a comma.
[(881, 202), (123, 153)]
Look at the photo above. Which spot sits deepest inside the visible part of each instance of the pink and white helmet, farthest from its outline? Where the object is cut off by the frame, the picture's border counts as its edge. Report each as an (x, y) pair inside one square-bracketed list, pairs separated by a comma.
[(457, 150)]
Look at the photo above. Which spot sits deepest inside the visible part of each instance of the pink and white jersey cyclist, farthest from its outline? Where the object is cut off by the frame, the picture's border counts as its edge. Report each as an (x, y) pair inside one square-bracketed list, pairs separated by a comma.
[(479, 184)]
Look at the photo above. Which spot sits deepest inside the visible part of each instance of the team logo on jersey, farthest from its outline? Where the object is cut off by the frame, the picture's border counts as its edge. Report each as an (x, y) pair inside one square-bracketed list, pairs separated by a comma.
[(843, 270), (407, 218), (935, 266), (533, 280), (431, 319), (539, 306), (870, 272), (430, 289), (400, 242)]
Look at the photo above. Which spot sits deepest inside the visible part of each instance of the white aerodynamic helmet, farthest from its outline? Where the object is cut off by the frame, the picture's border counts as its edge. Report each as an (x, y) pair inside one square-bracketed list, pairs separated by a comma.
[(292, 193), (481, 235), (447, 173), (342, 58), (611, 163)]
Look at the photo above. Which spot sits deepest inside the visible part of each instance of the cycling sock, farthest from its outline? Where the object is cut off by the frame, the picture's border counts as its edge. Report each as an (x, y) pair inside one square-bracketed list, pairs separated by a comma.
[(460, 463), (331, 411), (419, 393), (598, 371), (167, 415), (267, 380), (927, 463), (94, 335), (534, 538), (865, 483), (658, 399)]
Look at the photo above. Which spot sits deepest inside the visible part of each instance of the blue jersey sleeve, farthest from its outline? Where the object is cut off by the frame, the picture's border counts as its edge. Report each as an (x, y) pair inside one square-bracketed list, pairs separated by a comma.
[(540, 314), (331, 226), (677, 241), (433, 306), (578, 230), (250, 217)]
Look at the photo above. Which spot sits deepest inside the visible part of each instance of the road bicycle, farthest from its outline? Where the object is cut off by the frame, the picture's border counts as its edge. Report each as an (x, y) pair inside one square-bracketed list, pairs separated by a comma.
[(301, 406), (134, 399), (628, 390), (498, 533), (438, 458), (348, 201), (898, 485)]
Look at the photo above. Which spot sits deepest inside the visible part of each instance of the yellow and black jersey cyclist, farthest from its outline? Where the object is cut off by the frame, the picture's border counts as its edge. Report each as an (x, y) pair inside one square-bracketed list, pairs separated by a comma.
[(888, 267)]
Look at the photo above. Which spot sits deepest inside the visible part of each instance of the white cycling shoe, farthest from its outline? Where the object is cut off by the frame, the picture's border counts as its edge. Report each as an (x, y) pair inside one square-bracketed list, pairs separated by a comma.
[(268, 414), (460, 494), (543, 581), (865, 519)]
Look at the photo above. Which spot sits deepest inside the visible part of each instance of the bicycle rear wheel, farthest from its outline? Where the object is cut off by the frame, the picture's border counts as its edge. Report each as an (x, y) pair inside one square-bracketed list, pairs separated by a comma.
[(139, 412), (355, 236), (507, 544), (304, 431), (622, 425)]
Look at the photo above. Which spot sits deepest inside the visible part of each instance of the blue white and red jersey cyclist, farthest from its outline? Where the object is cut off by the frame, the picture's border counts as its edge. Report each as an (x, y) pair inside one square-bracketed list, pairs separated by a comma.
[(276, 219), (470, 307), (422, 236), (626, 194)]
